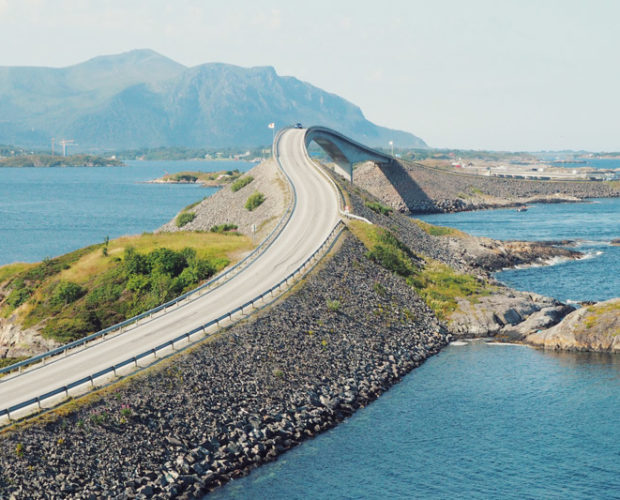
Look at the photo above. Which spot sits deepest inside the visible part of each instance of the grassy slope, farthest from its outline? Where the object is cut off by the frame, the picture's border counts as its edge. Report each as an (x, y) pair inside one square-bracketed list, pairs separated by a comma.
[(437, 284), (80, 292)]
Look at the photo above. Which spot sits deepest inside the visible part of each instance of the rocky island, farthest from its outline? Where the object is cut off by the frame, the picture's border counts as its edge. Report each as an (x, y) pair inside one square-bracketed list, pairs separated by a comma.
[(45, 160), (210, 179)]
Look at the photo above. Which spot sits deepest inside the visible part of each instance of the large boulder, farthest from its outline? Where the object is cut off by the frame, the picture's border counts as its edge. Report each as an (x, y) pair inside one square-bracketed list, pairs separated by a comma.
[(592, 328)]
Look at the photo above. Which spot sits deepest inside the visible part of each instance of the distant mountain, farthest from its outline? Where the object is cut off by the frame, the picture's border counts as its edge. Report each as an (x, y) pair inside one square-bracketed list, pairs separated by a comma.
[(143, 99)]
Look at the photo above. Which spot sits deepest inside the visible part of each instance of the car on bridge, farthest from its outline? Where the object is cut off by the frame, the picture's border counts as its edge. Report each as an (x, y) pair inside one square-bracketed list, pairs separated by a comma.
[(299, 125)]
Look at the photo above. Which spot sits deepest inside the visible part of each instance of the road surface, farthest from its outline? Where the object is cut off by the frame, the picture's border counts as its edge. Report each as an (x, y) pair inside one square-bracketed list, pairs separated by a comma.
[(313, 218)]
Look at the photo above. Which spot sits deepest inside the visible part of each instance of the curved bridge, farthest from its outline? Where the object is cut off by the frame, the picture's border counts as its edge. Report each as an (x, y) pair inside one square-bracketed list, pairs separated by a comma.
[(343, 150)]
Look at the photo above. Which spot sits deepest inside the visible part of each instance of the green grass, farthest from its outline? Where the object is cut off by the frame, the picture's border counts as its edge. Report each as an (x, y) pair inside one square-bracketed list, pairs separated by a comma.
[(597, 311), (241, 182), (437, 230), (82, 292), (440, 286), (384, 248), (437, 284), (224, 228), (378, 208), (11, 270), (333, 305), (255, 200), (184, 218)]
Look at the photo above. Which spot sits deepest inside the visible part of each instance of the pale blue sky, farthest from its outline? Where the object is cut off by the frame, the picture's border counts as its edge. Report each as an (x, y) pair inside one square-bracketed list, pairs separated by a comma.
[(476, 74)]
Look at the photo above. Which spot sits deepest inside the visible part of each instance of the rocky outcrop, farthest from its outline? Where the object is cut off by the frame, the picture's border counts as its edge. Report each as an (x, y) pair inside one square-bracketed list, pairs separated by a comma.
[(193, 423), (506, 314), (592, 328), (228, 207), (16, 342)]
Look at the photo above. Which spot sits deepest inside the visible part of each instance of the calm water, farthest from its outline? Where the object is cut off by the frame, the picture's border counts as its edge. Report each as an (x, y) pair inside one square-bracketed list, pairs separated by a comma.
[(478, 421), (484, 420), (610, 163), (594, 225), (46, 212)]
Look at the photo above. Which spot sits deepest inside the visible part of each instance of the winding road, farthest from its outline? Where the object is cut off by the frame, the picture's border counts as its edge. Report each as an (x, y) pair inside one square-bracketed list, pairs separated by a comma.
[(314, 216)]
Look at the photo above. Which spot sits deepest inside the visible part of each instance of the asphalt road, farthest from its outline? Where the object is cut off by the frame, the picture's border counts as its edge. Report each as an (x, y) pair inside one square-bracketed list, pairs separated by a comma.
[(314, 216)]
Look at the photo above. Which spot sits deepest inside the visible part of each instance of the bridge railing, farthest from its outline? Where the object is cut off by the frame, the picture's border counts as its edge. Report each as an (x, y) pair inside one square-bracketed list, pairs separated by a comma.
[(194, 294), (303, 268), (337, 189)]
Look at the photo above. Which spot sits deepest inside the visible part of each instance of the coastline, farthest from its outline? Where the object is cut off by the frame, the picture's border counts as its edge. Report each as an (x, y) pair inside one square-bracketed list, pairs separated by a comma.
[(257, 389), (412, 188)]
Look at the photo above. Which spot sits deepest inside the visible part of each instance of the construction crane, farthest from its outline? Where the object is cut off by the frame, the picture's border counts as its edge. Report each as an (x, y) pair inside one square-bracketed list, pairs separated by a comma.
[(53, 140), (64, 143)]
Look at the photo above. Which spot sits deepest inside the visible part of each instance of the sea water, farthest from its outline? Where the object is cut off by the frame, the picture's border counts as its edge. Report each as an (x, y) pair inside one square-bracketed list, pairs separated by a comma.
[(475, 421), (483, 420), (591, 225), (45, 212)]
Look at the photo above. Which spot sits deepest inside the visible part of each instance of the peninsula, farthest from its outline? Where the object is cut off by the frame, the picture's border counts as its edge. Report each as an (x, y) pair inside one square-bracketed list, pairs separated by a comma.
[(210, 179), (46, 160)]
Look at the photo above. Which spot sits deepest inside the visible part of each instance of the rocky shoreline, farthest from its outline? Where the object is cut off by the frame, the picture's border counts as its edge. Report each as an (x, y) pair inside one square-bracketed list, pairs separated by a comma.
[(341, 338), (211, 415), (415, 188)]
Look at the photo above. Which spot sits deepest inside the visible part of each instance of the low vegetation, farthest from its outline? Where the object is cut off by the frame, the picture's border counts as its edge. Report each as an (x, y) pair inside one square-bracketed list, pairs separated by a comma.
[(4, 362), (224, 228), (241, 183), (184, 218), (46, 160), (255, 200), (84, 291), (598, 311), (437, 230), (379, 208), (437, 284)]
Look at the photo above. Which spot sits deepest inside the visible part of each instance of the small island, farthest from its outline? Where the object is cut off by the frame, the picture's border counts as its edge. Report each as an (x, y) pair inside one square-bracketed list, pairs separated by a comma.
[(46, 160), (210, 179)]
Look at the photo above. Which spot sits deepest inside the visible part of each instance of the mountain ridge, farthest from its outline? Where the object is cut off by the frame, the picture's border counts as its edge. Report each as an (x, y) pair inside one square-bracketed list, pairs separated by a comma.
[(141, 98)]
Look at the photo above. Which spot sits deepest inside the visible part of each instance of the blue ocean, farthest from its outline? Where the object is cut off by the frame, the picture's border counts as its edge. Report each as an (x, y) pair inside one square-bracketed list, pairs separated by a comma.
[(476, 421), (45, 212), (484, 420), (592, 225)]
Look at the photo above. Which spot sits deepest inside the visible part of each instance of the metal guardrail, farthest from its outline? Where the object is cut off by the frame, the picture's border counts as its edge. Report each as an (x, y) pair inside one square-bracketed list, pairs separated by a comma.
[(327, 244), (337, 189), (262, 247)]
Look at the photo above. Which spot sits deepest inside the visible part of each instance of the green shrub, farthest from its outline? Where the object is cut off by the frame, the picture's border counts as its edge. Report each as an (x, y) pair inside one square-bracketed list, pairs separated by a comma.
[(20, 293), (184, 218), (109, 292), (380, 289), (166, 261), (378, 207), (255, 200), (240, 183), (66, 292), (333, 305), (184, 178), (222, 228)]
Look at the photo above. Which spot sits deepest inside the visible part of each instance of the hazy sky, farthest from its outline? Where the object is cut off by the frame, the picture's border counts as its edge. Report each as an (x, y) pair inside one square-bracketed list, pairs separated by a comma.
[(465, 73)]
